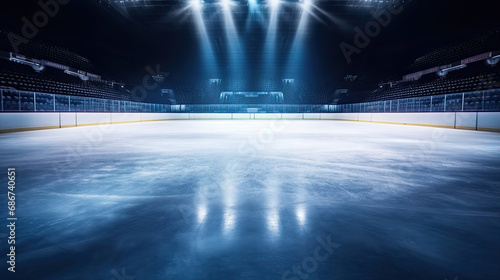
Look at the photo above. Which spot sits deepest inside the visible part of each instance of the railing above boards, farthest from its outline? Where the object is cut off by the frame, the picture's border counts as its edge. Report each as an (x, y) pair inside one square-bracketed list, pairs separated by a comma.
[(22, 101)]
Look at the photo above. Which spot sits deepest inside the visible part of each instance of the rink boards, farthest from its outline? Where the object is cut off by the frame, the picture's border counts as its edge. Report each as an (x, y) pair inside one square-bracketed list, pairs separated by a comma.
[(484, 121)]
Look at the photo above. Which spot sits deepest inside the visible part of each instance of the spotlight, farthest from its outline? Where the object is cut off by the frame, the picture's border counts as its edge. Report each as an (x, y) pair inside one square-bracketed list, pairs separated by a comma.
[(196, 4), (274, 3), (307, 4), (225, 3), (253, 5)]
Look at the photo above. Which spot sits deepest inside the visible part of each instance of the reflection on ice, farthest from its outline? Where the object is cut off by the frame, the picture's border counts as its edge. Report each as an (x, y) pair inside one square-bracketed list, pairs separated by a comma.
[(210, 213), (229, 221), (300, 213), (202, 212), (273, 222), (272, 192)]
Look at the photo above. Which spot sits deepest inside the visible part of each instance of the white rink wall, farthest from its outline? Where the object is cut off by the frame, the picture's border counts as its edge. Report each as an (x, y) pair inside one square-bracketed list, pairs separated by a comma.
[(487, 121)]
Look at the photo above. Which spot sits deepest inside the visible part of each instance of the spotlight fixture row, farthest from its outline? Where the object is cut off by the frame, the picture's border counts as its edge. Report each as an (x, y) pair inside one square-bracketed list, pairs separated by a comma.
[(228, 3)]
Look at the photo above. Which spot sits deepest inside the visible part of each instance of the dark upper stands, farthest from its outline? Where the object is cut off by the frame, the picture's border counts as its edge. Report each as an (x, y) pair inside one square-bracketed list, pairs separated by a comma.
[(311, 93), (42, 50), (21, 77), (456, 51), (475, 76)]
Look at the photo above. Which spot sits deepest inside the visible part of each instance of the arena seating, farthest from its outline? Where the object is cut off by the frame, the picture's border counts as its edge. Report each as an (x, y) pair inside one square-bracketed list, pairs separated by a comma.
[(43, 50), (191, 91), (21, 77), (311, 93), (457, 50), (475, 77)]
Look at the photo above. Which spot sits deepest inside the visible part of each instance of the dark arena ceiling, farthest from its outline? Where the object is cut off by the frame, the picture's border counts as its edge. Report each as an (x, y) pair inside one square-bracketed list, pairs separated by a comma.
[(123, 37), (167, 13)]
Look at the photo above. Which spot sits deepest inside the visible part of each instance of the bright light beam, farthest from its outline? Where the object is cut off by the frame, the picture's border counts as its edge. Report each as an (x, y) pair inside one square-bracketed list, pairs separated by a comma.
[(226, 4), (270, 44), (236, 57), (195, 4), (255, 14), (296, 56), (336, 20), (309, 7), (274, 3), (306, 5), (207, 52)]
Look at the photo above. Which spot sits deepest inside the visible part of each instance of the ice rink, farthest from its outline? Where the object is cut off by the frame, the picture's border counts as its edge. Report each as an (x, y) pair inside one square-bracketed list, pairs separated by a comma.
[(255, 200)]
